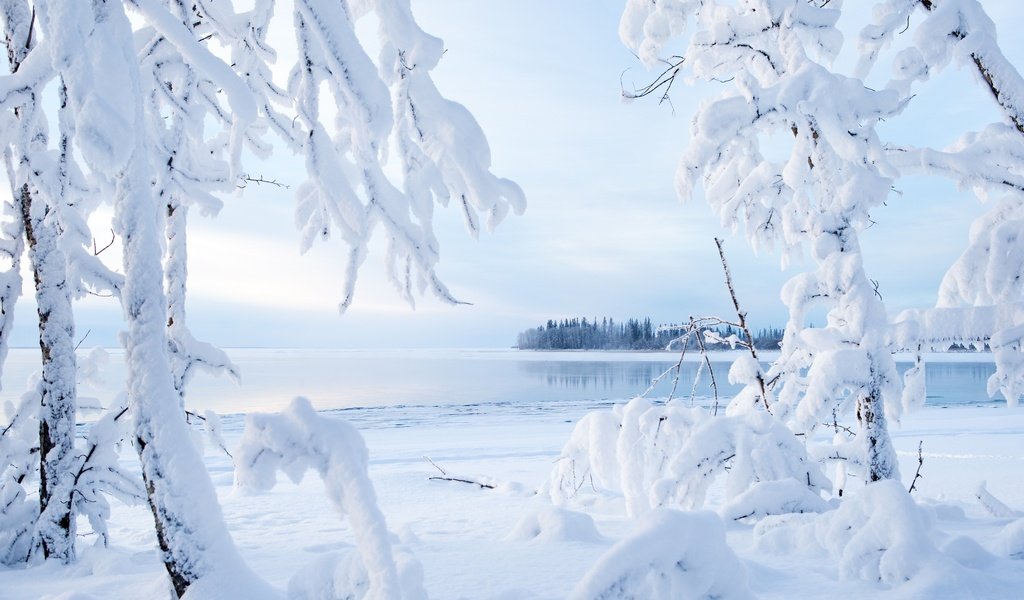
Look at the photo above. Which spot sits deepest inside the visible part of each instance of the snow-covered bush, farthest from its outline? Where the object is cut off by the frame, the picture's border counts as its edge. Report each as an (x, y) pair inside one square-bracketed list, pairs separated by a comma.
[(877, 534), (298, 439), (670, 455), (95, 473), (670, 555), (99, 474), (554, 523)]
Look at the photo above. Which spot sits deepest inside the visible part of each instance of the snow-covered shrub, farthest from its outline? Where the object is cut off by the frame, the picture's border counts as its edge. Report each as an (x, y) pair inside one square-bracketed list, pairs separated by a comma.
[(669, 455), (99, 475), (671, 555), (877, 534), (298, 439), (95, 473), (554, 523)]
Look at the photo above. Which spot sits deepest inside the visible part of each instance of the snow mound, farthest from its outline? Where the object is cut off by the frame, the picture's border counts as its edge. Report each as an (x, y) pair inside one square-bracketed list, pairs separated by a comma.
[(343, 575), (967, 552), (231, 579), (1010, 541), (774, 498), (553, 523), (671, 555), (878, 534)]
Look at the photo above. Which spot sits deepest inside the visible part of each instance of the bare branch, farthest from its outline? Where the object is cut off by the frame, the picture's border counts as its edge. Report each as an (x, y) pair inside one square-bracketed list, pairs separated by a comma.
[(82, 341), (743, 323), (446, 477), (920, 463), (665, 79), (97, 251), (245, 180)]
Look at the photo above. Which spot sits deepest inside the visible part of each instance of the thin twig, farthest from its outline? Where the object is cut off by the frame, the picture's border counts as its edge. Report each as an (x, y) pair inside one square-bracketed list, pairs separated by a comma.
[(665, 79), (920, 463), (743, 324), (82, 341), (436, 466), (245, 180), (446, 477), (483, 486), (711, 371), (97, 251)]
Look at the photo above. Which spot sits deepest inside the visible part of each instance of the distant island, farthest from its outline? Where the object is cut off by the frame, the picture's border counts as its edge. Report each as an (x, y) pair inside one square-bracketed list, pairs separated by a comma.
[(632, 334)]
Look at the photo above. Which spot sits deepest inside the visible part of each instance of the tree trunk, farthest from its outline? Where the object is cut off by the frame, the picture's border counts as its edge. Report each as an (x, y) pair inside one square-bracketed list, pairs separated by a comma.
[(881, 457), (56, 525)]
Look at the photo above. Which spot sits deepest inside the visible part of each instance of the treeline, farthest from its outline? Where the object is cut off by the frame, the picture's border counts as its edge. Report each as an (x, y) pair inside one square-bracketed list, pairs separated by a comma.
[(632, 334)]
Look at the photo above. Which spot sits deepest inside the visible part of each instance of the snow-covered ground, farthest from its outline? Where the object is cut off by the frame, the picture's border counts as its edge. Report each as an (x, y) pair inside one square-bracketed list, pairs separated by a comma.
[(509, 543)]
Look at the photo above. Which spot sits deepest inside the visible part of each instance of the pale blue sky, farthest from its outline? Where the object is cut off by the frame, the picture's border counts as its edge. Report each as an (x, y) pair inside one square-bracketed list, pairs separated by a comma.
[(604, 233)]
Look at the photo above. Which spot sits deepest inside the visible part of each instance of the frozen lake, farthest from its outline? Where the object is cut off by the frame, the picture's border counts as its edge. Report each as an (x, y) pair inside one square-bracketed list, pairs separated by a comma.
[(426, 384), (503, 417)]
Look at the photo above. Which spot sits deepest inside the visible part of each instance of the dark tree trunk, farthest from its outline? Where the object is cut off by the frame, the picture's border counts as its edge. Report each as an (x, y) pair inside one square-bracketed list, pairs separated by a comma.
[(56, 526)]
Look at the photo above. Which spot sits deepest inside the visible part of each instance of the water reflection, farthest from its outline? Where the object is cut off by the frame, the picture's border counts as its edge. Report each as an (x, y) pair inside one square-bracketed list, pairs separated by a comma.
[(958, 383), (603, 376), (947, 382), (625, 379)]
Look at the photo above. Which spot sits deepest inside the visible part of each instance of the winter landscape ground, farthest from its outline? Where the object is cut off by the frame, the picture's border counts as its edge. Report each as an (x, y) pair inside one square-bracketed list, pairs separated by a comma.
[(514, 542)]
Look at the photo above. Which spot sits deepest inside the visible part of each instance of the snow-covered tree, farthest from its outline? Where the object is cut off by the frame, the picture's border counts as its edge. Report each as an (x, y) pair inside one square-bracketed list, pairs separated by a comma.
[(980, 298), (29, 167), (375, 110), (192, 163), (162, 129), (789, 152), (47, 198)]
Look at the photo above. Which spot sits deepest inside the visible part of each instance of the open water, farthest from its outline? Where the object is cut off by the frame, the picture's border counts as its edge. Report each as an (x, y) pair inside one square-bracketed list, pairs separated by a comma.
[(415, 386)]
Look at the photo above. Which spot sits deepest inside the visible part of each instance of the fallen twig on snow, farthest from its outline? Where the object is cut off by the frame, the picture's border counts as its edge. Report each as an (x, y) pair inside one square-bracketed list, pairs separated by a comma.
[(446, 477)]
